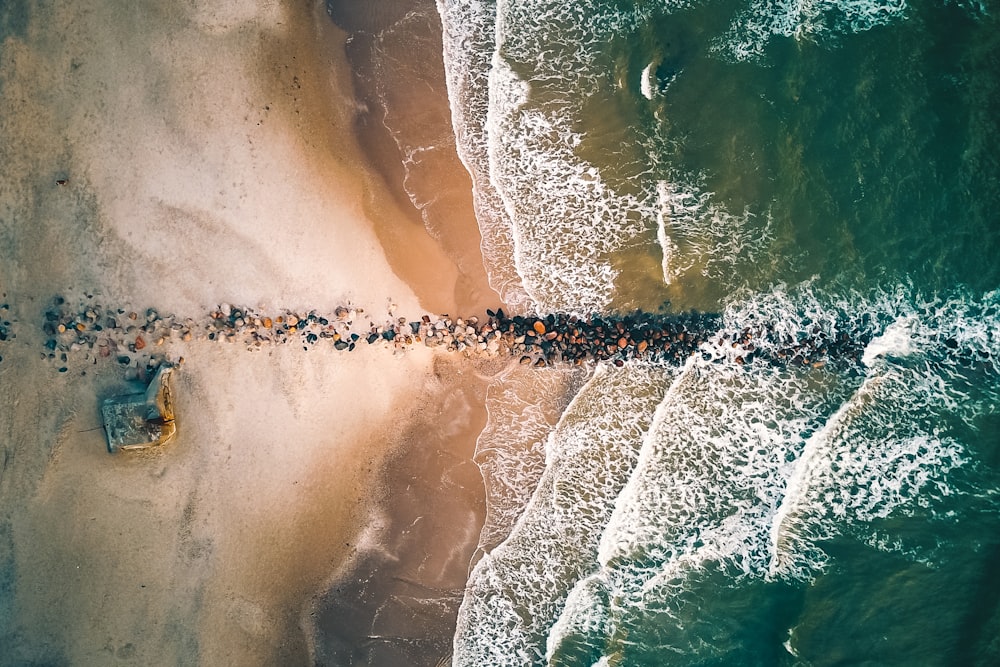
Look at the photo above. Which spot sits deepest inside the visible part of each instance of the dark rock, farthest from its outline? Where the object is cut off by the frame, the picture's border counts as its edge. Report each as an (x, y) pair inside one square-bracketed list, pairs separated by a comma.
[(341, 345)]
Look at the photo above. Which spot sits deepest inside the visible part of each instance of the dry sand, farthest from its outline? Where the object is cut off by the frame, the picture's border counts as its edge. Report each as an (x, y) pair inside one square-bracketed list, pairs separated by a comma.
[(208, 155)]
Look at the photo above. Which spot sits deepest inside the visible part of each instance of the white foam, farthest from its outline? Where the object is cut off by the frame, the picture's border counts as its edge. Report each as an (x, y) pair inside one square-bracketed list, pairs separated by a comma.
[(897, 341), (583, 617), (874, 458), (468, 43), (748, 470), (819, 20), (696, 234), (516, 593), (566, 218), (523, 406), (647, 81)]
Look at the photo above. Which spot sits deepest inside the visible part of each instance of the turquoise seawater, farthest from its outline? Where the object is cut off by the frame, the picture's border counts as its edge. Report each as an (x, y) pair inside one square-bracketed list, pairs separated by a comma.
[(795, 166)]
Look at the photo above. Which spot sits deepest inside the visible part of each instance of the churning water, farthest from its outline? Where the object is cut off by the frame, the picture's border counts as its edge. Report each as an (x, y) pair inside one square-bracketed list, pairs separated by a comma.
[(806, 169)]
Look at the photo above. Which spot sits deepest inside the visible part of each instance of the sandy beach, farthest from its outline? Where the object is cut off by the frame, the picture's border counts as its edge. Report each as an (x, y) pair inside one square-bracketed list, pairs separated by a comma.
[(180, 156)]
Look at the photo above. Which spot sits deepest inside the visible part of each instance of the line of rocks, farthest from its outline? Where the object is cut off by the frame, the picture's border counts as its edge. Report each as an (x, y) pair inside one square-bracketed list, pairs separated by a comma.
[(140, 341), (6, 326)]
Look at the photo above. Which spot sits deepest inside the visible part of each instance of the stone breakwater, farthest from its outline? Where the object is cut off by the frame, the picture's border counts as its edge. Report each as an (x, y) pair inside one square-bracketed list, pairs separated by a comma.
[(141, 341)]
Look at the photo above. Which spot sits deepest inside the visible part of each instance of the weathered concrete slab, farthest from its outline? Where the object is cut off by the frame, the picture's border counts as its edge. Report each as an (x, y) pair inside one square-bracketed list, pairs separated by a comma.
[(137, 421)]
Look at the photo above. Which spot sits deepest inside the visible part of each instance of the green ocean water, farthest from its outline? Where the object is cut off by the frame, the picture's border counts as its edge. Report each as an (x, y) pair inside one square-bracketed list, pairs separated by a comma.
[(804, 168), (870, 157)]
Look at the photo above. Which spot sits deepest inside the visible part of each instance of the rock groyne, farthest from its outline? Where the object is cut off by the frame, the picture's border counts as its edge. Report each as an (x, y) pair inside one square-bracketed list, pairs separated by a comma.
[(142, 340)]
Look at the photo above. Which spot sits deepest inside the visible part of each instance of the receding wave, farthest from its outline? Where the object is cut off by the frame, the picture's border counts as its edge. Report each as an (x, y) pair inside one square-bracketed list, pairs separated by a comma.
[(523, 406), (516, 591), (469, 40)]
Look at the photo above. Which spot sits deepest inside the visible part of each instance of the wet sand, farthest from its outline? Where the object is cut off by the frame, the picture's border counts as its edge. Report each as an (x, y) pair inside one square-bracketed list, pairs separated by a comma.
[(180, 157), (397, 600)]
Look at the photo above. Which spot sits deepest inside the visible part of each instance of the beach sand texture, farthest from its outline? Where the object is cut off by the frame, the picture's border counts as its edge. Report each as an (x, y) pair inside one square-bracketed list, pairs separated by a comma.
[(179, 155)]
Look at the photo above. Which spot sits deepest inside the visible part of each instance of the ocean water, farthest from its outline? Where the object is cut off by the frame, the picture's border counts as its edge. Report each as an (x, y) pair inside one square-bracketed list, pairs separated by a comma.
[(806, 169)]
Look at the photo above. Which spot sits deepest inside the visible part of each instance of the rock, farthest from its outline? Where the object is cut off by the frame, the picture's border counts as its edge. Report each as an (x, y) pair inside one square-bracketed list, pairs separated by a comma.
[(225, 309), (539, 327), (292, 320), (622, 343), (642, 346), (525, 360), (341, 345), (266, 322), (140, 343)]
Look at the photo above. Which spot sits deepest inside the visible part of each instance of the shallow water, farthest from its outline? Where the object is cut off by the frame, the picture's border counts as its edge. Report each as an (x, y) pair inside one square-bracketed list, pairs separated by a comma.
[(795, 166)]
